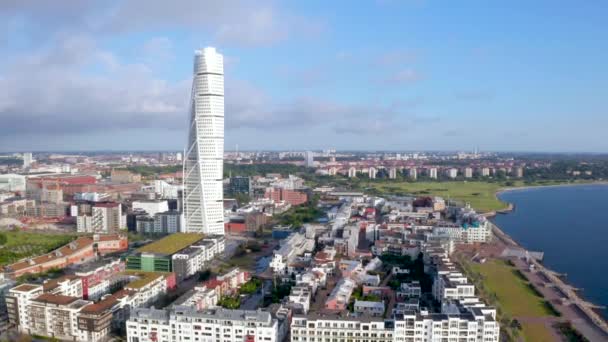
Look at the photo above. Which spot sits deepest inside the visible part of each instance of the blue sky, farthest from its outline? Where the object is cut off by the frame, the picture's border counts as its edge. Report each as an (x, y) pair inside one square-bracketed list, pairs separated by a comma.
[(389, 75)]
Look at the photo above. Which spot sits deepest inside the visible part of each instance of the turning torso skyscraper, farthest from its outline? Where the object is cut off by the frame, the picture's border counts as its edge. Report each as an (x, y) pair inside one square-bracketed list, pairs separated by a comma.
[(203, 165)]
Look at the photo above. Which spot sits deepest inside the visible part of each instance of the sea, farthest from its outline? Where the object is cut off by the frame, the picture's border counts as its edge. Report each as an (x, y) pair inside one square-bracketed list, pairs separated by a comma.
[(569, 224)]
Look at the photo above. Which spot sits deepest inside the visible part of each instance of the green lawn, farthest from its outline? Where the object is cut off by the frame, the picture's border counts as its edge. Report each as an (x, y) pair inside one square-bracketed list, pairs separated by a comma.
[(481, 195), (512, 292), (513, 295), (536, 332), (19, 244)]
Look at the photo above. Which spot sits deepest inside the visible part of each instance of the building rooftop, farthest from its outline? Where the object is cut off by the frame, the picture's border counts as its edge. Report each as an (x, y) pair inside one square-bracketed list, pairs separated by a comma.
[(55, 299), (171, 244), (144, 278), (25, 287), (63, 251)]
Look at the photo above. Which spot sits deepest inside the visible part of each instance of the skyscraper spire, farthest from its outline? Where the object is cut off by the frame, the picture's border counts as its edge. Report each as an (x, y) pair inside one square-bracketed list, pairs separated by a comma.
[(203, 165)]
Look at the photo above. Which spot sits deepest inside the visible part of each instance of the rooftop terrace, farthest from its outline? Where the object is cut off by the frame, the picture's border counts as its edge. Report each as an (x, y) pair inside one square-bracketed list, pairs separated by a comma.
[(171, 244)]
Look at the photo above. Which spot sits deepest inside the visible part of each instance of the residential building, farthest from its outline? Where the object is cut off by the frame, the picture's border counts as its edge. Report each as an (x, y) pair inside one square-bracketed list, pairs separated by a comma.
[(375, 309), (352, 172), (79, 251), (413, 173), (27, 160), (124, 176), (296, 244), (293, 197), (432, 172), (309, 156), (485, 172), (105, 217), (468, 172), (182, 253), (451, 173), (167, 222), (239, 185), (392, 173), (152, 207), (12, 182), (372, 172), (203, 190), (217, 325), (99, 277)]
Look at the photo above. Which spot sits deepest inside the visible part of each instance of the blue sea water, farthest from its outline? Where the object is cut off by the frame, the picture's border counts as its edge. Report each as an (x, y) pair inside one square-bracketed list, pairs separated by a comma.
[(569, 224)]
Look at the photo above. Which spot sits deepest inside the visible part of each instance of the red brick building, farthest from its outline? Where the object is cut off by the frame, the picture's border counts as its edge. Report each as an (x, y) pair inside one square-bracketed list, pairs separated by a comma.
[(293, 197)]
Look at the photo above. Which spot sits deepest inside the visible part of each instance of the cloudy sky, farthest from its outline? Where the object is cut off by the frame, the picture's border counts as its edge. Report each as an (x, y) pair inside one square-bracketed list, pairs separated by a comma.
[(385, 74)]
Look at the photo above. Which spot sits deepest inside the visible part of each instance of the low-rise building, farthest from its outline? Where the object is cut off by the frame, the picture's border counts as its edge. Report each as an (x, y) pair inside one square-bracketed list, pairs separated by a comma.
[(375, 309), (221, 325)]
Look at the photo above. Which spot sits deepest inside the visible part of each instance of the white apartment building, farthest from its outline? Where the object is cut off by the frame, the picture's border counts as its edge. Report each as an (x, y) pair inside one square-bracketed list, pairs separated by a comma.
[(413, 173), (203, 165), (433, 173), (17, 303), (294, 245), (375, 309), (468, 172), (12, 182), (152, 207), (392, 173), (451, 173), (452, 286), (56, 316), (185, 324), (332, 327), (105, 218), (372, 173)]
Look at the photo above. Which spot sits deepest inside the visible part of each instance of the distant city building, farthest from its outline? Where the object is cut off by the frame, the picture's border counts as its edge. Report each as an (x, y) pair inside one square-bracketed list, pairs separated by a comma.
[(293, 197), (452, 173), (485, 172), (27, 160), (12, 182), (392, 173), (151, 207), (105, 217), (309, 155), (352, 172), (239, 185), (413, 173), (372, 173), (433, 173), (468, 172), (203, 189), (167, 222), (124, 176), (518, 172)]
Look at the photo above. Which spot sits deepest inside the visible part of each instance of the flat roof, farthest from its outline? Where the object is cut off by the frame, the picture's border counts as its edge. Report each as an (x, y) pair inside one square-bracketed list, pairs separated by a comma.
[(144, 278), (171, 244)]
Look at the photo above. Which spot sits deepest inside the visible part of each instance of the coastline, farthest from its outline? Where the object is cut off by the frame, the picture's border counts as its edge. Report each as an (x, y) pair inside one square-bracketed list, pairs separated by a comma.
[(510, 206), (594, 317)]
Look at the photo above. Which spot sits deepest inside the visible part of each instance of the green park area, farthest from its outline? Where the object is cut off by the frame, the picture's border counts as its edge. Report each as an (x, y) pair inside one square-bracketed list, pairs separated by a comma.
[(481, 195), (16, 245), (513, 296)]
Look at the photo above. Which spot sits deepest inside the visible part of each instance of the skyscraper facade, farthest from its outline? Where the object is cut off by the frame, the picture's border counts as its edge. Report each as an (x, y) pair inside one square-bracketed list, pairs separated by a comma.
[(203, 163)]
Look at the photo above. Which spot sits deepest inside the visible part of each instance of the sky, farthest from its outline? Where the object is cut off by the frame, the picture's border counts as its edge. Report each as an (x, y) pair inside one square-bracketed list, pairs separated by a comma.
[(351, 75)]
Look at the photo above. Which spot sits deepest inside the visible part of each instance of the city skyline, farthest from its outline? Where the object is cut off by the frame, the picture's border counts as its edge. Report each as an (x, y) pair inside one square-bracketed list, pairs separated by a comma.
[(204, 157), (417, 75)]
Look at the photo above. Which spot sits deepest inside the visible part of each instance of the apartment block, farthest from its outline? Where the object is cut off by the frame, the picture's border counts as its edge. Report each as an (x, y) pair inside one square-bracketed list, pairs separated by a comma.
[(188, 324)]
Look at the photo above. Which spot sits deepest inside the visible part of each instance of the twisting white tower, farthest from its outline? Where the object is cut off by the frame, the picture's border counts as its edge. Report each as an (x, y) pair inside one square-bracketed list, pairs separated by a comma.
[(203, 165)]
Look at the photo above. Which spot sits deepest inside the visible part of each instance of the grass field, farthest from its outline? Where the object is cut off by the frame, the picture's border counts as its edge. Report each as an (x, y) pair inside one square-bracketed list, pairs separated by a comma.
[(512, 292), (19, 244), (514, 296), (536, 332), (481, 195)]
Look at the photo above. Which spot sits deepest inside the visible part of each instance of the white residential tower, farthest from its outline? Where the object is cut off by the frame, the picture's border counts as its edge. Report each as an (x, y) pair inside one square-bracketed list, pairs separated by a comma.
[(203, 164)]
